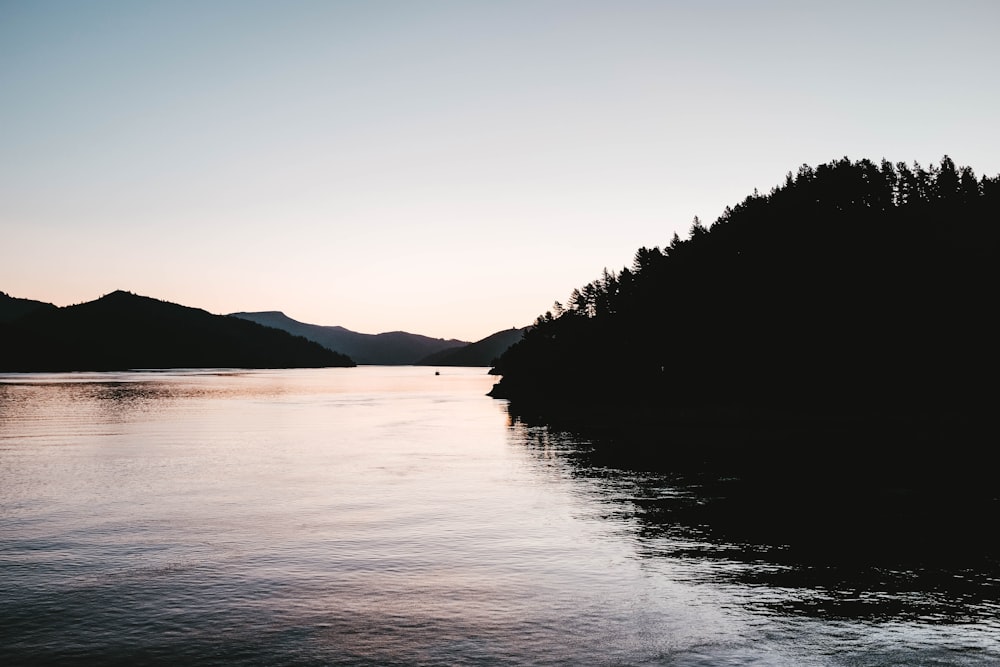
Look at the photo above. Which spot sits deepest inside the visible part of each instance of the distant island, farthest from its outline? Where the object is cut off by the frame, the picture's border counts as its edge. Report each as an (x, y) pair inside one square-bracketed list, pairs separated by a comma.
[(852, 289), (123, 331)]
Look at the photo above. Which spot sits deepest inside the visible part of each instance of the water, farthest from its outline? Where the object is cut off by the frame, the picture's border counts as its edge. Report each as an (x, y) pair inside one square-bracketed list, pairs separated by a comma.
[(388, 516)]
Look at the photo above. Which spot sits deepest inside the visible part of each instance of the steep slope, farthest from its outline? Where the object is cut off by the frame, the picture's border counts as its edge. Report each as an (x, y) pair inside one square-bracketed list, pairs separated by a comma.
[(391, 348), (122, 331), (853, 288), (481, 353)]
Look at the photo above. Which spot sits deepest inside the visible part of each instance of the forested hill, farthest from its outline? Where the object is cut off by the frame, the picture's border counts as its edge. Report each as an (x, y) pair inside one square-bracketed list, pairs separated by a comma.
[(123, 331), (853, 285)]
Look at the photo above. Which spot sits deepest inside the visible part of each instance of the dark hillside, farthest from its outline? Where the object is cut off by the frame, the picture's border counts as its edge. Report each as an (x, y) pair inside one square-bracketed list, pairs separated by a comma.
[(481, 353), (12, 308), (123, 331), (852, 288), (823, 359)]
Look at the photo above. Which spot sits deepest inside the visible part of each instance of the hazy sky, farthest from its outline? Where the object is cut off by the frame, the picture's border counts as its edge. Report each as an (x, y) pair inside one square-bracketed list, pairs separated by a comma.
[(447, 168)]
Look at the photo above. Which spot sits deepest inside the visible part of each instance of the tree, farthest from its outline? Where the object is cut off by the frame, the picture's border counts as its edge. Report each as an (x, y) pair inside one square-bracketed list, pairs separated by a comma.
[(968, 185), (947, 185), (645, 258), (697, 229)]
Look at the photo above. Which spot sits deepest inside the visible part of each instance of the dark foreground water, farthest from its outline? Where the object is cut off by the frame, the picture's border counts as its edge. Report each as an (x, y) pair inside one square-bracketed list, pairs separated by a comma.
[(382, 516)]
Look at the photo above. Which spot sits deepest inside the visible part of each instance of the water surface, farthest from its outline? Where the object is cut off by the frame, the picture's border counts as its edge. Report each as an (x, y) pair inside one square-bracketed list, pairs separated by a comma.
[(385, 515)]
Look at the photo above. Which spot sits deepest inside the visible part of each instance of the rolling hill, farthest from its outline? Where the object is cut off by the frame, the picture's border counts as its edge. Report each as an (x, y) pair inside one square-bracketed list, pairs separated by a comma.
[(481, 353), (123, 331), (12, 308), (391, 348)]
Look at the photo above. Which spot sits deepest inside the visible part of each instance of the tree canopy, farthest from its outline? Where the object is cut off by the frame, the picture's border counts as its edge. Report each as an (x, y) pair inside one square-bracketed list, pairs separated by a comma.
[(853, 284)]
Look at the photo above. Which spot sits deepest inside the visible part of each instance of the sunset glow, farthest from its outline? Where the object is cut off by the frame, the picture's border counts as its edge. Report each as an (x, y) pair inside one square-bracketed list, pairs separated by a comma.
[(443, 168)]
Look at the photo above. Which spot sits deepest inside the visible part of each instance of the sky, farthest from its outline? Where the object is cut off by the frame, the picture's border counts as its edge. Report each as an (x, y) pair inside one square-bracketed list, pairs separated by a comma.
[(444, 167)]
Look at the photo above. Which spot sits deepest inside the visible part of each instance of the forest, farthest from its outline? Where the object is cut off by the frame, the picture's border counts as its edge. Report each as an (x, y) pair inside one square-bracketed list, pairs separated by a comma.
[(853, 288)]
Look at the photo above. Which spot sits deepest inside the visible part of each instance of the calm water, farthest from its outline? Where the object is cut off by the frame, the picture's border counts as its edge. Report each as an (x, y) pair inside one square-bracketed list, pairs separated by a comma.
[(381, 516)]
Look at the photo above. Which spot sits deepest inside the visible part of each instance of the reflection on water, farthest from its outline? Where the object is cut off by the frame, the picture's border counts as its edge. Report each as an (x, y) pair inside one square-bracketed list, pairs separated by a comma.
[(379, 516), (701, 517)]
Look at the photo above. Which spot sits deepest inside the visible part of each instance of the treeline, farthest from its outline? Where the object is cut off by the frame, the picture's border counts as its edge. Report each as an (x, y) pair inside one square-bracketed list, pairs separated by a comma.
[(853, 285)]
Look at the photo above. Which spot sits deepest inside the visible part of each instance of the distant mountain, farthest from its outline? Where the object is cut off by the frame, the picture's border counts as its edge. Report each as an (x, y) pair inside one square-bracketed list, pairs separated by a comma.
[(12, 308), (122, 331), (392, 348), (481, 353)]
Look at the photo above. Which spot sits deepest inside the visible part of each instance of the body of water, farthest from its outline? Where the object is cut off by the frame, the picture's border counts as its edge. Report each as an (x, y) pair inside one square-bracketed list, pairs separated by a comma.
[(391, 516)]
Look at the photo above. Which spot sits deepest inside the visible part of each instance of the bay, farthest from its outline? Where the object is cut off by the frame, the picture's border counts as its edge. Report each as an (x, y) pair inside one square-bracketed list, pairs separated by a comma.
[(391, 516)]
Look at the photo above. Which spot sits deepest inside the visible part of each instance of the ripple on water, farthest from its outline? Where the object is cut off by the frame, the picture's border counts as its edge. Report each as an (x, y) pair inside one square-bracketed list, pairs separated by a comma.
[(381, 516)]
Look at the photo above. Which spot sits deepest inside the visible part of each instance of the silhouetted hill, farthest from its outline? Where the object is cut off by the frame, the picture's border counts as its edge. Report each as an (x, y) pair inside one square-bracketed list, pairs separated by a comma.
[(821, 363), (123, 331), (481, 353), (854, 289), (12, 308), (392, 348)]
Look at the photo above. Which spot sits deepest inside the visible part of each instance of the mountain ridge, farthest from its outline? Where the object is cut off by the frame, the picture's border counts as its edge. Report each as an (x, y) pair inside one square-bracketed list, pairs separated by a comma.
[(483, 352), (122, 330), (12, 307), (387, 348)]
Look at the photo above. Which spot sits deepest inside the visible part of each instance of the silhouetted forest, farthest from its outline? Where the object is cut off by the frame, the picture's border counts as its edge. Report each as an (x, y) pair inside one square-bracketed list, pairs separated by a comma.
[(820, 363), (852, 288), (123, 331)]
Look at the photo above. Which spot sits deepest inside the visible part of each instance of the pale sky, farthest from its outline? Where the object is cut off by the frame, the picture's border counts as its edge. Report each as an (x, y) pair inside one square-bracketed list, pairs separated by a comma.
[(448, 168)]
